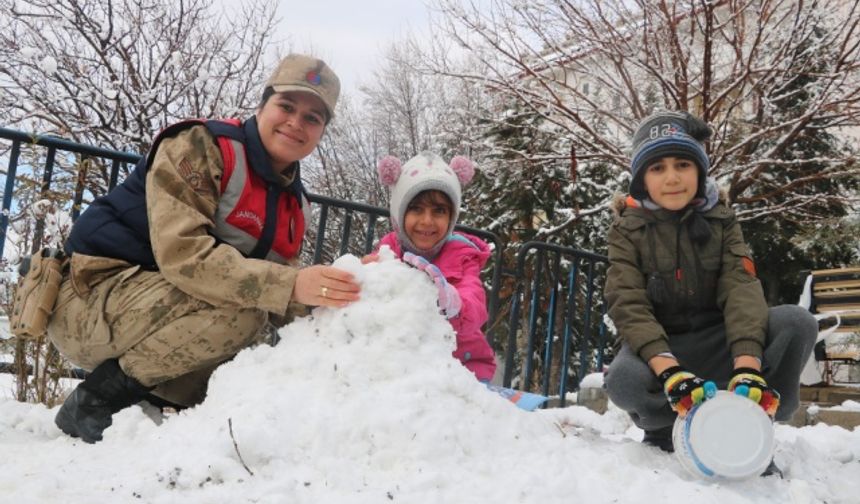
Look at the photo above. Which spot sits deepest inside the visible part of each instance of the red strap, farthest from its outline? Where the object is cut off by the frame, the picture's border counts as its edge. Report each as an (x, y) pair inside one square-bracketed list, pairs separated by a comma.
[(228, 155)]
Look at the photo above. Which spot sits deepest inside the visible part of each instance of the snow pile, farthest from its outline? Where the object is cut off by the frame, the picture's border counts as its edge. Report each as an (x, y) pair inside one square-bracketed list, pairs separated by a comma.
[(366, 404)]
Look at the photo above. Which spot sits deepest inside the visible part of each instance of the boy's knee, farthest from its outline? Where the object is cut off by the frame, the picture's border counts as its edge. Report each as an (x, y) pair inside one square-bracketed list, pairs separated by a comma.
[(796, 322), (626, 376), (793, 314), (617, 375)]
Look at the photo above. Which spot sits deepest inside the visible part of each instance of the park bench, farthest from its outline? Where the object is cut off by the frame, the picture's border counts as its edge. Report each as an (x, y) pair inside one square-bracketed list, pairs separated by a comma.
[(835, 301)]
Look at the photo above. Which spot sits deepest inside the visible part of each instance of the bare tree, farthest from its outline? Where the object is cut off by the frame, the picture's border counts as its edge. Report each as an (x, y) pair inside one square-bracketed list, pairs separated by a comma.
[(344, 167), (399, 102), (401, 112), (411, 109), (109, 73), (114, 72), (766, 74), (566, 81), (345, 164)]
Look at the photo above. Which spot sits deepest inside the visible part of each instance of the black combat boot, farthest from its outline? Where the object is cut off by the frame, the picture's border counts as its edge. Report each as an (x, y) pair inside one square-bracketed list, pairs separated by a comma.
[(87, 411), (661, 438)]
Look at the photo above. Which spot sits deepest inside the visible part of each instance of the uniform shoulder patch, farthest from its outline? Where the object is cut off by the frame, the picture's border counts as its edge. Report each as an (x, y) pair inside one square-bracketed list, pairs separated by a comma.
[(749, 266), (191, 176)]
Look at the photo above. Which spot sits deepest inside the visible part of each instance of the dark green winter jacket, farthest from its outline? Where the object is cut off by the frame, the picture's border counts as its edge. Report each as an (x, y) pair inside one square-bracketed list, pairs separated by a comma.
[(704, 283)]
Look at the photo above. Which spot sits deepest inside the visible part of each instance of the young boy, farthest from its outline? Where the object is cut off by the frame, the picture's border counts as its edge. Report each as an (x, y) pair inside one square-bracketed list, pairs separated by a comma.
[(683, 293)]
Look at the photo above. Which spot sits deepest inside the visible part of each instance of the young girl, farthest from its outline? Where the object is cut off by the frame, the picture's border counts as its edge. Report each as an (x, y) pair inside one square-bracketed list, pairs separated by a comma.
[(683, 293), (425, 204)]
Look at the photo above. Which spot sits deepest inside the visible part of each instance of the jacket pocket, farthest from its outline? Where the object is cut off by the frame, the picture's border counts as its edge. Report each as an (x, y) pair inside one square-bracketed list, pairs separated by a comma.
[(36, 293), (97, 303), (89, 271)]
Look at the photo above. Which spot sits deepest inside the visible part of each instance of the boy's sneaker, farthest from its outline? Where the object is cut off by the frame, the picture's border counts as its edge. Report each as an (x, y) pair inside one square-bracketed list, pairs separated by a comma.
[(661, 438), (772, 469)]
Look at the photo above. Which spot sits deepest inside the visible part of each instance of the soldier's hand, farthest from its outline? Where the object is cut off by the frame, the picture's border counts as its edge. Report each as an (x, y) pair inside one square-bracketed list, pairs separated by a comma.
[(325, 286)]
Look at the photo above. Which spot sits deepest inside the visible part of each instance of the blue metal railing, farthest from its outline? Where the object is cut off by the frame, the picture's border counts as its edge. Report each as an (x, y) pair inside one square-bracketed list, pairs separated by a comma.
[(372, 216), (565, 301), (351, 210), (53, 144), (566, 310)]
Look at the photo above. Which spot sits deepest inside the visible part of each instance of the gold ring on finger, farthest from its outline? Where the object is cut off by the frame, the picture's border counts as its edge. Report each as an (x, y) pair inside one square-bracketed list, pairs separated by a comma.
[(324, 291)]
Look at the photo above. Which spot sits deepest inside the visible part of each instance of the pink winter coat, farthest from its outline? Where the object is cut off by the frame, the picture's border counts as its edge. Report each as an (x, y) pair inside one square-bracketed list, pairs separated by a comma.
[(461, 260)]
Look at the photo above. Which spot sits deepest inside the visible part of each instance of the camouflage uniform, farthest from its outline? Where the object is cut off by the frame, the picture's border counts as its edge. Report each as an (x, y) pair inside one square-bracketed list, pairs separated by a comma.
[(173, 326)]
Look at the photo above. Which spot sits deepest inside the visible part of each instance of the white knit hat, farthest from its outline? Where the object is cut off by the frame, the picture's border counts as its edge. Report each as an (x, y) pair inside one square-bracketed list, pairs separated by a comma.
[(424, 172)]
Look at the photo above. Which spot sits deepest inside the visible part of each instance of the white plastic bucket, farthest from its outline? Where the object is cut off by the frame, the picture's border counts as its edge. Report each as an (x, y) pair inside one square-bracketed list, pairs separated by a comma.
[(727, 436)]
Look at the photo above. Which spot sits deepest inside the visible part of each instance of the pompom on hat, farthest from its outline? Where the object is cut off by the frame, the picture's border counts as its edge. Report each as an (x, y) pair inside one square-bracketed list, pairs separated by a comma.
[(668, 133), (424, 172)]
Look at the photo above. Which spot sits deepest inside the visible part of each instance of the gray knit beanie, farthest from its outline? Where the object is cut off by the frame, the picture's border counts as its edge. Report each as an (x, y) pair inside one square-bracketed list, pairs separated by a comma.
[(677, 134)]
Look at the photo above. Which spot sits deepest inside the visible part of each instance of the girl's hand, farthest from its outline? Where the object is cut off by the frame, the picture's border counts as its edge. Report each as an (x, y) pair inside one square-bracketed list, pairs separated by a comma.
[(369, 258), (325, 286), (449, 299)]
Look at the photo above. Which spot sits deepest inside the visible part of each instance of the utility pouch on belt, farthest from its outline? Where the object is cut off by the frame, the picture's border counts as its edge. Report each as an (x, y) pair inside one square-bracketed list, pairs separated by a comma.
[(38, 287)]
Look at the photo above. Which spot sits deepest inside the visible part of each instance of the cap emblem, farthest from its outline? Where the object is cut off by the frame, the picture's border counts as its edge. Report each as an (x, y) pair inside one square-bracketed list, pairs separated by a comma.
[(663, 130), (313, 78)]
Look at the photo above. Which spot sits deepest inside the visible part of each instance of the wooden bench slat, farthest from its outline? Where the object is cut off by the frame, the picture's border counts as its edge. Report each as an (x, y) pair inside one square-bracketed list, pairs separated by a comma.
[(836, 271), (855, 327), (848, 329), (838, 294), (827, 308), (855, 356), (844, 313), (835, 284), (844, 300), (845, 326), (842, 318), (836, 290)]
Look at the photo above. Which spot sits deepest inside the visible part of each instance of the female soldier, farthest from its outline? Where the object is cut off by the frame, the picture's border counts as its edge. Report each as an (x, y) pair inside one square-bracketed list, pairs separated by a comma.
[(185, 263)]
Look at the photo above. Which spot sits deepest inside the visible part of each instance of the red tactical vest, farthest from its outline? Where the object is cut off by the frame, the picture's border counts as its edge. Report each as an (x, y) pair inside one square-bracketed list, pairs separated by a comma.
[(241, 213)]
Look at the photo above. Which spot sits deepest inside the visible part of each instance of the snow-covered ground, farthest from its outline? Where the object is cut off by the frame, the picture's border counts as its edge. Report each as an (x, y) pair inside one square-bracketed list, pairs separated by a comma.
[(366, 405)]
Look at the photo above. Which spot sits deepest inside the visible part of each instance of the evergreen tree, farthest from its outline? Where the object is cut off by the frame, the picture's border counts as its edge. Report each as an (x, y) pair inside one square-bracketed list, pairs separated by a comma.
[(524, 193), (787, 243)]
